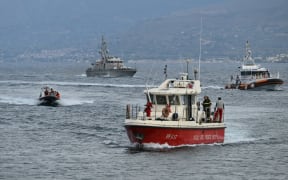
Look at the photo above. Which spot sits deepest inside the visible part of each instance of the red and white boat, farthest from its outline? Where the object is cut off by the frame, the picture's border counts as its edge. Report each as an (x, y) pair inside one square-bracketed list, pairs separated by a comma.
[(252, 76), (173, 117)]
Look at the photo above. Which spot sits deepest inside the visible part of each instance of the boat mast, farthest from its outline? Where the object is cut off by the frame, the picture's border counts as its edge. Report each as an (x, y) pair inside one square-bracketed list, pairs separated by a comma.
[(248, 50), (103, 51), (248, 54), (200, 49), (165, 71), (187, 71)]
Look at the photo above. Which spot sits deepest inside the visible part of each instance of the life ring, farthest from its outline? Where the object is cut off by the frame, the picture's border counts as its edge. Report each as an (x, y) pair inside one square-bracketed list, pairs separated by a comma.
[(165, 112)]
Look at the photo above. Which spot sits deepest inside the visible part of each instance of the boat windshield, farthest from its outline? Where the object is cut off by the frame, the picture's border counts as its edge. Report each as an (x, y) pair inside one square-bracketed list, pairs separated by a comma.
[(257, 74), (161, 99), (174, 100), (184, 99)]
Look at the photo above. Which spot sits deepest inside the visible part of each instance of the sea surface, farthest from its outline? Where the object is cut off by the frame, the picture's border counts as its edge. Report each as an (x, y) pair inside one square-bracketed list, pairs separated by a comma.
[(84, 138)]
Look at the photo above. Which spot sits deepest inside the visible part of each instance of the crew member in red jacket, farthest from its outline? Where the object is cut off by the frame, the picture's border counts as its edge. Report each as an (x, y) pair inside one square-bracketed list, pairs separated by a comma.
[(147, 110)]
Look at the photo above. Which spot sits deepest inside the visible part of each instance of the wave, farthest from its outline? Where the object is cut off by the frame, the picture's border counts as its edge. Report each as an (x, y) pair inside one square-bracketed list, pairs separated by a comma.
[(18, 101), (152, 147), (63, 83), (73, 102), (31, 101), (213, 87), (239, 141), (163, 147), (81, 75), (166, 147), (87, 84)]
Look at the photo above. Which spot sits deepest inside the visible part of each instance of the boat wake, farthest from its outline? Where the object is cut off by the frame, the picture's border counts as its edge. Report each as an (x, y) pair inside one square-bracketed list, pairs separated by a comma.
[(73, 102), (18, 100), (212, 87), (229, 140), (248, 141), (33, 101), (80, 84), (239, 141), (81, 75), (164, 147)]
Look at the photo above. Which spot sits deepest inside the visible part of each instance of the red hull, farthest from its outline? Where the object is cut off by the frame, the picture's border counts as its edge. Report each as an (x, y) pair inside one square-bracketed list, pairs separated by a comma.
[(175, 136)]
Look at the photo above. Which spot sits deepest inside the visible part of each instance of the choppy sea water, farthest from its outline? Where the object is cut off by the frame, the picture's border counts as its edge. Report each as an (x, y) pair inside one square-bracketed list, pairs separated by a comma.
[(84, 137)]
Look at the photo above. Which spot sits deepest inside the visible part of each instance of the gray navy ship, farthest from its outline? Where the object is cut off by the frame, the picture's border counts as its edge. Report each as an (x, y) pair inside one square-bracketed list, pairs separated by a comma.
[(109, 66)]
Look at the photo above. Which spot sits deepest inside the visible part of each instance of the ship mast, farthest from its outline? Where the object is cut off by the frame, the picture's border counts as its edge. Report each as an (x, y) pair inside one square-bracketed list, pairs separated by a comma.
[(200, 49), (248, 55), (104, 51)]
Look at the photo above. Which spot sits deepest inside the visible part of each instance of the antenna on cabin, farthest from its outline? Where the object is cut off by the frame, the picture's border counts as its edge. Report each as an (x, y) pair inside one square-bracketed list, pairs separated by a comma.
[(187, 66), (195, 73), (187, 71), (200, 49), (165, 71)]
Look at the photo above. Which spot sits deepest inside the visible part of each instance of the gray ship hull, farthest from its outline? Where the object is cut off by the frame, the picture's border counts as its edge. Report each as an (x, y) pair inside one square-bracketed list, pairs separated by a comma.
[(109, 66), (110, 72)]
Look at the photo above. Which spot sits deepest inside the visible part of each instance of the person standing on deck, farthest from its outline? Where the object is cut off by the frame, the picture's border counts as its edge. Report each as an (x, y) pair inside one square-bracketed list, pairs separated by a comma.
[(206, 107), (147, 110), (219, 107)]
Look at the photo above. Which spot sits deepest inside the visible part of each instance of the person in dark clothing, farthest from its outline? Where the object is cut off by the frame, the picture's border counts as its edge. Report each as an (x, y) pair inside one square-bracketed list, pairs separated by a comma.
[(207, 107), (46, 92)]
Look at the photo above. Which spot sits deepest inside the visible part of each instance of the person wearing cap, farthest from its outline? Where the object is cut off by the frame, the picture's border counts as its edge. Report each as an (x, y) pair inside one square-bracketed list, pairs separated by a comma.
[(219, 107)]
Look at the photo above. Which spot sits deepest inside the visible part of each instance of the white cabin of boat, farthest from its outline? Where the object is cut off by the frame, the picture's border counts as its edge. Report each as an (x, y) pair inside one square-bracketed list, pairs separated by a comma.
[(180, 94)]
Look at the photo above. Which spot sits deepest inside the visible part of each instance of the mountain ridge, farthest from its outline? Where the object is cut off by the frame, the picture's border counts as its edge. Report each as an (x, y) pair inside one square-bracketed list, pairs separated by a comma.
[(163, 30)]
